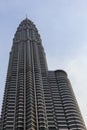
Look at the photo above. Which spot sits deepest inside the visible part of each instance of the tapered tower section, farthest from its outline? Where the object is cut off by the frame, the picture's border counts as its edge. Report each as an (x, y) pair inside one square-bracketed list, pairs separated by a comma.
[(24, 104), (35, 98)]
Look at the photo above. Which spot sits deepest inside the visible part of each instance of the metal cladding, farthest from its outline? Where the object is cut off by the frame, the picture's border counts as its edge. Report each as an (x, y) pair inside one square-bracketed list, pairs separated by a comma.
[(35, 98)]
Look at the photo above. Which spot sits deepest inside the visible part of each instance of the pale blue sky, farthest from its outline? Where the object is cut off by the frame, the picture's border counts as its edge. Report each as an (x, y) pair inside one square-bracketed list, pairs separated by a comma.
[(62, 25)]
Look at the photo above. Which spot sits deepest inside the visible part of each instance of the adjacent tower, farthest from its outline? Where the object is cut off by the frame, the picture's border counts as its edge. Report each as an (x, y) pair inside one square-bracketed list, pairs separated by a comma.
[(35, 98)]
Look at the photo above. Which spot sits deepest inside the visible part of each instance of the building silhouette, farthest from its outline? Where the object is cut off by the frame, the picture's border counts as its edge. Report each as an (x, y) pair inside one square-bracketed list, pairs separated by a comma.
[(35, 98)]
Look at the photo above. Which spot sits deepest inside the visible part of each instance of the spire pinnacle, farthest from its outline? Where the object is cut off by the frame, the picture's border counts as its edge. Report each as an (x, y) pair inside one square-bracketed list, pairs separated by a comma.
[(26, 16)]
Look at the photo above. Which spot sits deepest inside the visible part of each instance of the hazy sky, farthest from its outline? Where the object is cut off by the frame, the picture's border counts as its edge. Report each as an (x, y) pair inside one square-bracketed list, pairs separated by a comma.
[(62, 25)]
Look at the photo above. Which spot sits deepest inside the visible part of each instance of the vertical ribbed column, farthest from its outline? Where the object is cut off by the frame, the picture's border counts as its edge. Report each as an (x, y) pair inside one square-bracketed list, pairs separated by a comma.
[(16, 90), (19, 111), (8, 108), (49, 99), (30, 94), (41, 110), (25, 80)]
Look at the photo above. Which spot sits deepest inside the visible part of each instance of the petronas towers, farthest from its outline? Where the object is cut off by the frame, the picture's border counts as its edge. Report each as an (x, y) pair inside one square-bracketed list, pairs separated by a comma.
[(35, 98)]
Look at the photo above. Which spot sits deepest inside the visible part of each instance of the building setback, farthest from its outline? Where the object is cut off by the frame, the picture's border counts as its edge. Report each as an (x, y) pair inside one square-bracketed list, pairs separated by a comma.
[(35, 98)]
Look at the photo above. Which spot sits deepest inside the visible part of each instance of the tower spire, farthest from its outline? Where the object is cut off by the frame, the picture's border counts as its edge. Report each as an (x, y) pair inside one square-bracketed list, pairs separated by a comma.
[(26, 16)]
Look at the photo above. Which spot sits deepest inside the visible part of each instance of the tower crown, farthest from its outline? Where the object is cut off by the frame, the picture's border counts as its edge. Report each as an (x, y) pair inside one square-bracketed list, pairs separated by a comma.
[(26, 23), (26, 31)]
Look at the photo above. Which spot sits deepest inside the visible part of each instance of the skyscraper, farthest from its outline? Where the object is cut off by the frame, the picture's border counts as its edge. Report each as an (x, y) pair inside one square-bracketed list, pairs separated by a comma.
[(35, 98)]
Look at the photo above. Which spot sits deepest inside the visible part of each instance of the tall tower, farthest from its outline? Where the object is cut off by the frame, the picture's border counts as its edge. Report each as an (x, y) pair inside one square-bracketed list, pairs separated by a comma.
[(35, 98)]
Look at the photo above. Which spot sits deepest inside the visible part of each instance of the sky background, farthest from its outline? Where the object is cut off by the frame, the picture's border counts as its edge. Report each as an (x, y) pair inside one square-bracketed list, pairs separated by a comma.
[(62, 25)]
